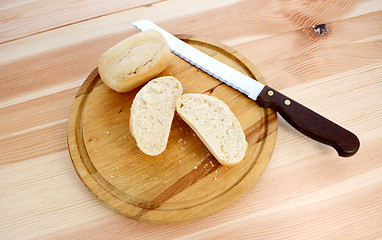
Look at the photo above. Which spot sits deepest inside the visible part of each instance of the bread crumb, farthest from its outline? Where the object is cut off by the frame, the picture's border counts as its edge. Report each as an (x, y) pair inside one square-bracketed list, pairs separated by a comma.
[(180, 160), (215, 178), (108, 132), (195, 167), (180, 140)]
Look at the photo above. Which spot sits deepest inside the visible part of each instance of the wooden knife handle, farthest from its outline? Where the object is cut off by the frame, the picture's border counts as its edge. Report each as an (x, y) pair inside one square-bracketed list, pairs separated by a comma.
[(310, 123)]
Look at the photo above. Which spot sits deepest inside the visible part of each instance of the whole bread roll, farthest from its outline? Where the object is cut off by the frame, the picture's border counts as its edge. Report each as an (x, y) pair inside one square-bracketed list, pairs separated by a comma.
[(152, 113), (215, 124), (134, 61)]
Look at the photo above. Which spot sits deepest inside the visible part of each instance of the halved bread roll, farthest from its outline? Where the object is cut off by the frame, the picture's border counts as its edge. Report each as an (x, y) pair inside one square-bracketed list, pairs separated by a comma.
[(134, 61), (152, 113), (216, 125)]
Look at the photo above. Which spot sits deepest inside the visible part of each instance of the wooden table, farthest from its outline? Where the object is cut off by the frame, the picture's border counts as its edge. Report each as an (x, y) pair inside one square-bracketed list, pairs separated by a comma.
[(307, 192)]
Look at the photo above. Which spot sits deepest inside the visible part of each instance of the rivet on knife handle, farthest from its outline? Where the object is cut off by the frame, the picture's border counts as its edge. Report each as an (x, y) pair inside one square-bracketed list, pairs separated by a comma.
[(310, 123)]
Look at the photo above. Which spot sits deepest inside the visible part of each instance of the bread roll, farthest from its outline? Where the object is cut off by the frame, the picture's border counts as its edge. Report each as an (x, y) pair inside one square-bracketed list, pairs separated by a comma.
[(216, 126), (134, 61), (152, 113)]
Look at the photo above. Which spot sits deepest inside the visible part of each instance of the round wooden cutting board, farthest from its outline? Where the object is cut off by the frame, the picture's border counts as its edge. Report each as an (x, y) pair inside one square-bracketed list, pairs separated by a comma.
[(185, 182)]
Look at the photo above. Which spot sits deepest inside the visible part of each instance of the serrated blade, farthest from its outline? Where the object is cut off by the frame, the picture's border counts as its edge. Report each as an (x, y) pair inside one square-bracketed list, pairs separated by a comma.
[(210, 65)]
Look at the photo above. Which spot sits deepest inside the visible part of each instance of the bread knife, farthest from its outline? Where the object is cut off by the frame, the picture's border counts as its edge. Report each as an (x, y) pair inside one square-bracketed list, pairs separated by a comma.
[(300, 117)]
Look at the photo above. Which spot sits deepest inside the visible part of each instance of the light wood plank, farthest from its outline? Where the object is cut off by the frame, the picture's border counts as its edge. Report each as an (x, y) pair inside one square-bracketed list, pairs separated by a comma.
[(42, 16), (54, 107)]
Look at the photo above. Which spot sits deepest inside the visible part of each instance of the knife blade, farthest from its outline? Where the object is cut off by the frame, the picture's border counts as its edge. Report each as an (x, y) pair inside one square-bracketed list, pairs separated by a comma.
[(300, 117)]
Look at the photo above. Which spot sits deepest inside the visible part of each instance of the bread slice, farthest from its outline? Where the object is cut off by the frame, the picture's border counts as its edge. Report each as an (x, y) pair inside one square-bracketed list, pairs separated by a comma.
[(134, 61), (152, 113), (216, 125)]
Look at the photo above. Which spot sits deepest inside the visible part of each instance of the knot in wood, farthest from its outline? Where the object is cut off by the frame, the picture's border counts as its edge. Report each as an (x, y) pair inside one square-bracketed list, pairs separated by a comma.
[(321, 29)]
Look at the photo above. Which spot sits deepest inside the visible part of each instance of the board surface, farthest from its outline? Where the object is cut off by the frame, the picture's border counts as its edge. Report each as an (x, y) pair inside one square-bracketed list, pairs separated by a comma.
[(185, 182)]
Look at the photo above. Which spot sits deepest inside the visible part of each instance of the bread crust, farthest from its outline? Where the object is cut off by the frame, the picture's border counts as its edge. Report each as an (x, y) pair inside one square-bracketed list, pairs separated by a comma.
[(134, 61)]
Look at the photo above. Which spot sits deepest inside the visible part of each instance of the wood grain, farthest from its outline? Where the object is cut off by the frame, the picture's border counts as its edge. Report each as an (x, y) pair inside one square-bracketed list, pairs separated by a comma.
[(305, 192), (185, 182)]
